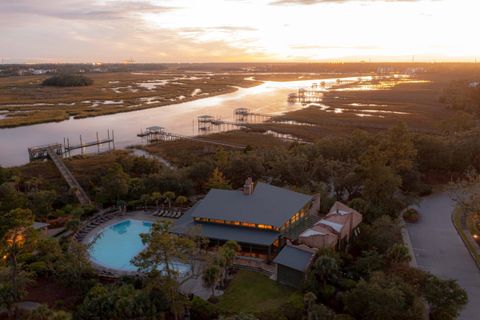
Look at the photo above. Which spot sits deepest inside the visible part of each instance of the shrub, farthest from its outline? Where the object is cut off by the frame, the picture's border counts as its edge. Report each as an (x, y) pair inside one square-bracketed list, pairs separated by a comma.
[(202, 310), (343, 317), (39, 268), (425, 190), (445, 298), (359, 204), (67, 81), (411, 215)]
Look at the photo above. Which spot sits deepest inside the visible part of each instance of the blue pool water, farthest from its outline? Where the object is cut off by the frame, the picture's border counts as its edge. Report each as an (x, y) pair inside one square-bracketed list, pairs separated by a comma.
[(119, 243)]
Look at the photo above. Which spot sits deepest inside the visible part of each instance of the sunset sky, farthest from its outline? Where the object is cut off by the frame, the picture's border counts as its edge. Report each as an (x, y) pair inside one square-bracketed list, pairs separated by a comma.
[(237, 30)]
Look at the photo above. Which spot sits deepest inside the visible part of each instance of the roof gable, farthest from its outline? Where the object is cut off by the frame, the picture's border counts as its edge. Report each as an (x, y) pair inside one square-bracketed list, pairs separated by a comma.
[(335, 226), (342, 214), (267, 205), (311, 232), (295, 257)]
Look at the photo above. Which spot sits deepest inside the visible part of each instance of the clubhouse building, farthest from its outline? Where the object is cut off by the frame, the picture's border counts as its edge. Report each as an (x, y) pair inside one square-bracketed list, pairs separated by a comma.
[(271, 224), (256, 217)]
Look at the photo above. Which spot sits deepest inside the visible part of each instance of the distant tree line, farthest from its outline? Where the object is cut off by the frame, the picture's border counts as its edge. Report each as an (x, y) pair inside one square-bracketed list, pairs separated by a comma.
[(67, 80)]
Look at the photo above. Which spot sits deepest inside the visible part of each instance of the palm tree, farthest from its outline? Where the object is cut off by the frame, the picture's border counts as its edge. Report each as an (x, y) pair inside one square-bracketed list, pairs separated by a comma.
[(227, 256), (32, 184), (16, 182), (145, 198), (169, 197), (211, 276), (156, 196)]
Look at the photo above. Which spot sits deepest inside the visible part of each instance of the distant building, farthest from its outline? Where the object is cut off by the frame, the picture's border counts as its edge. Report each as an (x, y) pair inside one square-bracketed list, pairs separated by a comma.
[(474, 84), (39, 71), (256, 217), (414, 71), (385, 70)]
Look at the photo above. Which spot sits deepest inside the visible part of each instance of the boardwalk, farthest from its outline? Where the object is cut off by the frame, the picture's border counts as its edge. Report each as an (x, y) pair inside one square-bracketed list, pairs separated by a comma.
[(68, 176), (440, 250), (169, 136), (210, 141)]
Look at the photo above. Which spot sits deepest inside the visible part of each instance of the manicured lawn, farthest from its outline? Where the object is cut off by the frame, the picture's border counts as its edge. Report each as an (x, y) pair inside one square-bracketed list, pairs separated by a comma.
[(251, 292)]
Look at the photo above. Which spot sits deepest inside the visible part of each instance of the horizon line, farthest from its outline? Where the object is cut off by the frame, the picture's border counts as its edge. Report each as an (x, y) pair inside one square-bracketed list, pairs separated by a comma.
[(469, 61)]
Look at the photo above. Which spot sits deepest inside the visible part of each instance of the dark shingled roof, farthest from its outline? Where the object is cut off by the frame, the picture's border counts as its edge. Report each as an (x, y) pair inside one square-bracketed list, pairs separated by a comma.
[(294, 257), (267, 205), (225, 232)]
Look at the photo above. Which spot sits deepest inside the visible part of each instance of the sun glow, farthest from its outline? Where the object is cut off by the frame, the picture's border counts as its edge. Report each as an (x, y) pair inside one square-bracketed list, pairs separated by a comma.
[(248, 30), (431, 29)]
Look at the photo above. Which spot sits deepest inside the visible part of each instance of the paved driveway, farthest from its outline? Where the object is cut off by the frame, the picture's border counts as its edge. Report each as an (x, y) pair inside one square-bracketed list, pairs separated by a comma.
[(439, 249)]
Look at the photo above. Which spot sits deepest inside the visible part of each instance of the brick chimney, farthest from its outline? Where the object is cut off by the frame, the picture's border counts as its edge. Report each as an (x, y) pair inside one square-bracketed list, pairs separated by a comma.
[(248, 186)]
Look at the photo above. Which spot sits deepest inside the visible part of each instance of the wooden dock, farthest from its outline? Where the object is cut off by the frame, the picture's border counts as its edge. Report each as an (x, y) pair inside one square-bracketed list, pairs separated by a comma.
[(245, 115), (305, 96), (41, 152), (168, 136), (242, 117), (110, 140), (162, 135)]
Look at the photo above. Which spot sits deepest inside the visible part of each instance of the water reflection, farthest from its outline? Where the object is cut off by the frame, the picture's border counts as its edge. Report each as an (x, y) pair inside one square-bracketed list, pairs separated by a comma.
[(267, 98)]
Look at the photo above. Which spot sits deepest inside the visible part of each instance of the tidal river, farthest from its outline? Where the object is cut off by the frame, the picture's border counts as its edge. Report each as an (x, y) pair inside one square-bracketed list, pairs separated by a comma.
[(268, 98)]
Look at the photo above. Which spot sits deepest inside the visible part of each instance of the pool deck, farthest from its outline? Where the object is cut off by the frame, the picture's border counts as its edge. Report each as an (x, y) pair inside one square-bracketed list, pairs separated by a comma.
[(135, 215), (192, 285)]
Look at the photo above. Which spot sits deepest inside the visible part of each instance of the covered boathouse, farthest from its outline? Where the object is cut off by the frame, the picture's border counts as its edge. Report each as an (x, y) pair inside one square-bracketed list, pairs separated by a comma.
[(255, 217)]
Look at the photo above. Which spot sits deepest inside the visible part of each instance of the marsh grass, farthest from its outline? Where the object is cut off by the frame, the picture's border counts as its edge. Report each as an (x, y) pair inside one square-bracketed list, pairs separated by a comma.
[(416, 103), (28, 102), (184, 152)]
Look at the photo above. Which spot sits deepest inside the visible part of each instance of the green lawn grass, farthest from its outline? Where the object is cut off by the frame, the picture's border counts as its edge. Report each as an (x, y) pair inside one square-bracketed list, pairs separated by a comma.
[(251, 292)]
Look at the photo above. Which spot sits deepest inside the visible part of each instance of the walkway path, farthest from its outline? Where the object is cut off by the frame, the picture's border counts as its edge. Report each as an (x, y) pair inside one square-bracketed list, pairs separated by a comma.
[(68, 176), (440, 250)]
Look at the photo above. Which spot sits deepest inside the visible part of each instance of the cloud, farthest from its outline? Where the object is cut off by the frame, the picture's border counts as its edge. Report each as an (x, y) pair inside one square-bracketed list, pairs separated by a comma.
[(87, 30), (311, 2), (225, 29), (310, 47), (80, 10)]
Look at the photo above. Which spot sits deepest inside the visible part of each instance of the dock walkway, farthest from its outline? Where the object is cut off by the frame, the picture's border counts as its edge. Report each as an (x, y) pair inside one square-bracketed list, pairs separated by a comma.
[(69, 178)]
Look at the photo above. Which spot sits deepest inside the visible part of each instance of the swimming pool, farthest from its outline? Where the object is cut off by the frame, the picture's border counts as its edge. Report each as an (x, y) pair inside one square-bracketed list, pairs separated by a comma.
[(116, 245)]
